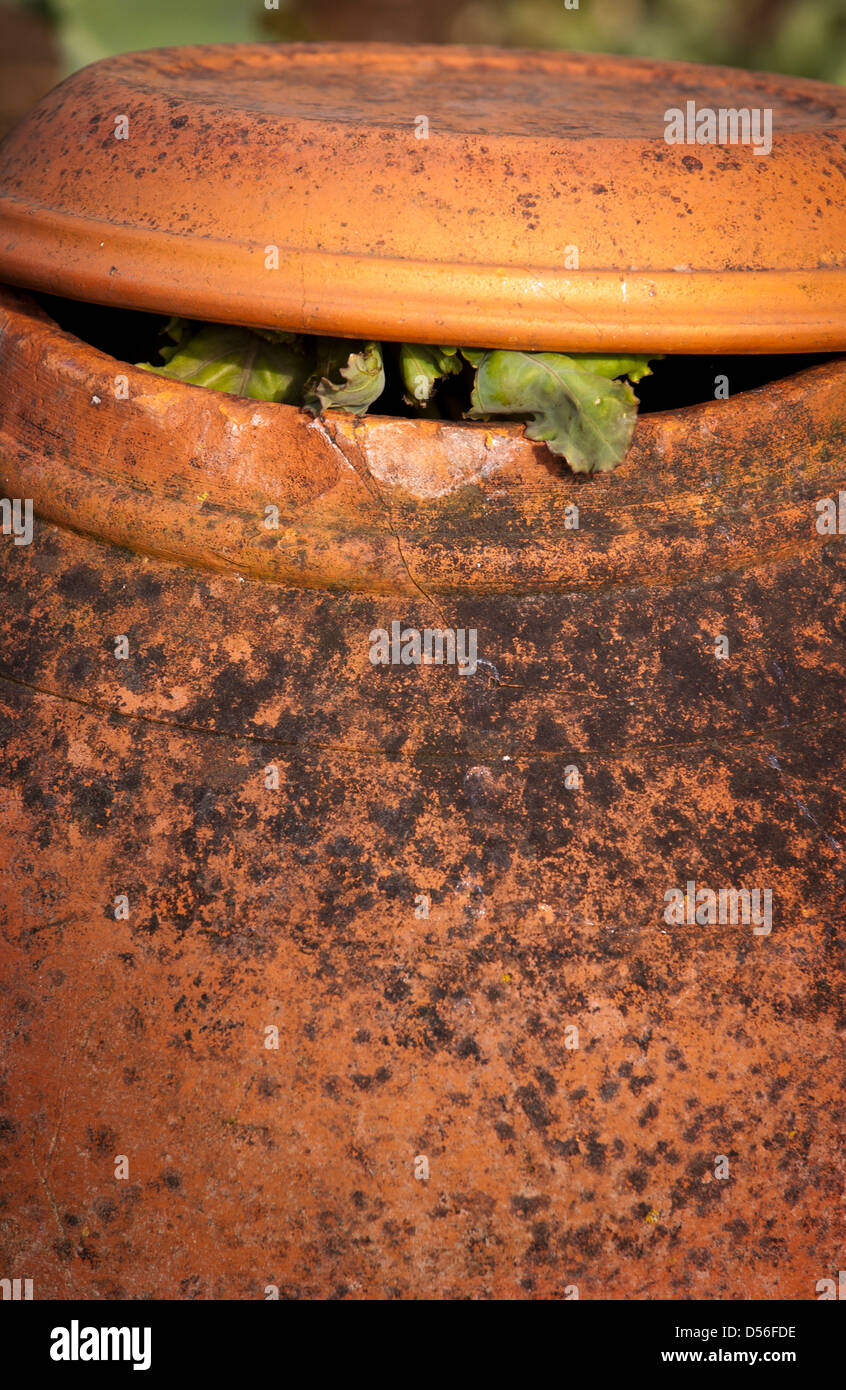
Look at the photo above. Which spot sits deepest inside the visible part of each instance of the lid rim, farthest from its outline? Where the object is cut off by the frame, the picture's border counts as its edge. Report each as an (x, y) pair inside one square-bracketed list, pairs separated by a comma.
[(437, 301), (259, 215)]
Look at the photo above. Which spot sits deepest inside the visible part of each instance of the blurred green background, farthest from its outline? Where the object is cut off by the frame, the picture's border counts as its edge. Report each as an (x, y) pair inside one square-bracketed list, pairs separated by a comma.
[(43, 40)]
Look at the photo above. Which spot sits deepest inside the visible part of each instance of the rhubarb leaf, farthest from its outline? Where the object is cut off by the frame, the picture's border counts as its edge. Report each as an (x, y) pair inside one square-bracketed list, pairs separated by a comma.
[(345, 379), (235, 360), (582, 414), (422, 366), (473, 355), (635, 368)]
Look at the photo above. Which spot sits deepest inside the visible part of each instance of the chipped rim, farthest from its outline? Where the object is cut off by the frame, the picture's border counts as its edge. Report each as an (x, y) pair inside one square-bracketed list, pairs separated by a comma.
[(186, 474)]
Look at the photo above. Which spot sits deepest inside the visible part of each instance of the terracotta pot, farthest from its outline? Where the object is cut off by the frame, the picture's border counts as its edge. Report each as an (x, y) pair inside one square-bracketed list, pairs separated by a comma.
[(328, 977), (540, 1086)]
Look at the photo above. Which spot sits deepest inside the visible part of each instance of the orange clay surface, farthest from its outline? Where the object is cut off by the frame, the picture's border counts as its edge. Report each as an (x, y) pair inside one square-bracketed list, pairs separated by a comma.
[(540, 206), (302, 1079)]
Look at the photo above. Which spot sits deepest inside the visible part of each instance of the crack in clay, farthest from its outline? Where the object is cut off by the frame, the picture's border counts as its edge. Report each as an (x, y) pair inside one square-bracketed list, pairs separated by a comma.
[(346, 750), (376, 492)]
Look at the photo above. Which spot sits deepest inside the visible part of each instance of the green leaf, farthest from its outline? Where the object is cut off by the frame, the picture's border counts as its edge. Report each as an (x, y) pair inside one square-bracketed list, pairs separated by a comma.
[(236, 360), (582, 415), (345, 379), (635, 368), (175, 329), (421, 366), (473, 355)]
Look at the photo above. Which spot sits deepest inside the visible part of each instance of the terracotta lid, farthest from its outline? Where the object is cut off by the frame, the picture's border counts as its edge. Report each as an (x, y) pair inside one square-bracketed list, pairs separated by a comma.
[(451, 195)]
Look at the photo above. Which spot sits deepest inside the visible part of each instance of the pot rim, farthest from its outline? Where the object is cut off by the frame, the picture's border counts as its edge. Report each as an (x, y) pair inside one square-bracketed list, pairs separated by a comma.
[(476, 506)]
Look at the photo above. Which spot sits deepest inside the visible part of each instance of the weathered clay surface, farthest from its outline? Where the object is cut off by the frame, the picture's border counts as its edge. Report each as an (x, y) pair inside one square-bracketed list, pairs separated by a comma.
[(403, 1037)]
